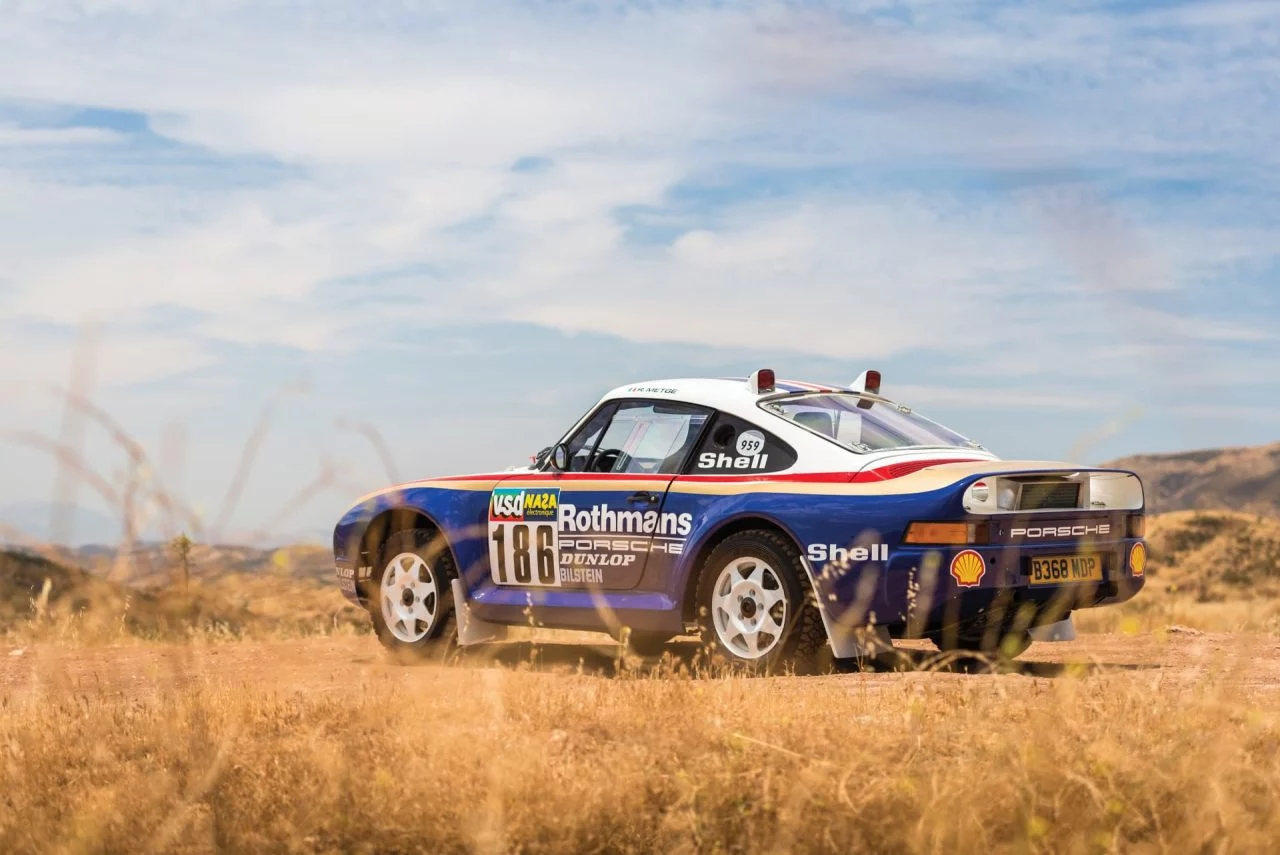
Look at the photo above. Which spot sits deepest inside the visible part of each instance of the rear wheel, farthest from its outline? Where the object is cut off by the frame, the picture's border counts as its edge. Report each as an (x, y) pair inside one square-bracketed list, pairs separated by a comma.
[(413, 603), (755, 605)]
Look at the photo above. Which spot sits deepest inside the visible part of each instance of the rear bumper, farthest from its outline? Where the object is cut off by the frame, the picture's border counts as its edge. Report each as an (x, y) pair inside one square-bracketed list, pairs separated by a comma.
[(920, 591)]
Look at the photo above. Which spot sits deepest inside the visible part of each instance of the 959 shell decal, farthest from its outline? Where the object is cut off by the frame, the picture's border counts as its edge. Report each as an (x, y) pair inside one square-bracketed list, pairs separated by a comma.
[(524, 546)]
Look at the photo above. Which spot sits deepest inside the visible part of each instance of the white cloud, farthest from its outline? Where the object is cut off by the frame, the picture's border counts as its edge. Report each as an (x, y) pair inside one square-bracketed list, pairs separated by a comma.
[(11, 135), (405, 131), (1023, 192)]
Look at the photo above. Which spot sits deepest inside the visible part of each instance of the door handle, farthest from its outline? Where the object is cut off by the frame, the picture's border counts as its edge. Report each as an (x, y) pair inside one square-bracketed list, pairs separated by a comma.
[(645, 496)]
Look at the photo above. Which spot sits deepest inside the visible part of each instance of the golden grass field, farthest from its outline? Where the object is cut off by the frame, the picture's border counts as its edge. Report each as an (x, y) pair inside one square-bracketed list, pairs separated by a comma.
[(1145, 742), (274, 723)]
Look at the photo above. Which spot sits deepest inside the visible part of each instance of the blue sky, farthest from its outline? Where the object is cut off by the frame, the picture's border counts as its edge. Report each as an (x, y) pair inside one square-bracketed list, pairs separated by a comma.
[(1055, 227)]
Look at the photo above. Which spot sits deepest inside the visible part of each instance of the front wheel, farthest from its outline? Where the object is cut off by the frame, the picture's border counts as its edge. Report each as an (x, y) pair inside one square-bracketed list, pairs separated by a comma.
[(755, 606), (413, 602)]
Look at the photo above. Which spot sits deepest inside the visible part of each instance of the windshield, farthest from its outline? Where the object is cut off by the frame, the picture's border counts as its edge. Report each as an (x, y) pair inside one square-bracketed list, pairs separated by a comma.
[(864, 424)]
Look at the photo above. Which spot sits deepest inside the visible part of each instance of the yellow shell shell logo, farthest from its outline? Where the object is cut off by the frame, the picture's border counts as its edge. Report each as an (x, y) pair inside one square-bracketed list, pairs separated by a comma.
[(1138, 559), (968, 568)]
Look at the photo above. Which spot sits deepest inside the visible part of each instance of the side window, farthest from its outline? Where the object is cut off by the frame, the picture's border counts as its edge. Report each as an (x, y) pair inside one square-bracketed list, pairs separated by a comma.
[(736, 447), (649, 437), (583, 443)]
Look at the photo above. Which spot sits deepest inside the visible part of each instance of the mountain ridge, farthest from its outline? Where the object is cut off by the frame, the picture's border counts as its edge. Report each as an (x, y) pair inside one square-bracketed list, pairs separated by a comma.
[(1243, 478)]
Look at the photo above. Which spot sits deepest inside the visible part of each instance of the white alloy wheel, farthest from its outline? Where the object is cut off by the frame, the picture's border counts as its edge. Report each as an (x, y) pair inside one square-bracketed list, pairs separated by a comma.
[(410, 597), (749, 607)]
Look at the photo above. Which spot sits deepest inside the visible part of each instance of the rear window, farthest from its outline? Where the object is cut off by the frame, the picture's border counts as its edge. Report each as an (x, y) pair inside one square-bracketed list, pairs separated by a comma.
[(863, 423), (736, 447)]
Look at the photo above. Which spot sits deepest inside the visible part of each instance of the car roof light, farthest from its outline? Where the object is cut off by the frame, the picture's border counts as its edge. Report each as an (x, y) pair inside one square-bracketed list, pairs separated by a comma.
[(761, 381), (868, 381)]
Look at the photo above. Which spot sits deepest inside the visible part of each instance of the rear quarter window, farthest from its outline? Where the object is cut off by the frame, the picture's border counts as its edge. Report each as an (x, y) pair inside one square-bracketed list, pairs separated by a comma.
[(733, 446)]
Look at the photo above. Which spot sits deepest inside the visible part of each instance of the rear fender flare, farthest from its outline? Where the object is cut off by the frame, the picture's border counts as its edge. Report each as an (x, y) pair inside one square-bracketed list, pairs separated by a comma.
[(846, 642)]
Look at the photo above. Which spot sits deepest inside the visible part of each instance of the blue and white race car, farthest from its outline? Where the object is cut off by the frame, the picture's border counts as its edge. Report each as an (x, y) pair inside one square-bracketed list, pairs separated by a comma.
[(768, 517)]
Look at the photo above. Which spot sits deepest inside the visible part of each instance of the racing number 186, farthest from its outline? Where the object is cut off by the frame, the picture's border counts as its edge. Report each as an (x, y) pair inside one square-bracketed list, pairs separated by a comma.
[(523, 556)]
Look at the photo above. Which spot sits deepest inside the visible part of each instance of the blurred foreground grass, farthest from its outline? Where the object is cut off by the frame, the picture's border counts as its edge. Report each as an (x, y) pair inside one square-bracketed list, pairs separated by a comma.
[(322, 746), (123, 729)]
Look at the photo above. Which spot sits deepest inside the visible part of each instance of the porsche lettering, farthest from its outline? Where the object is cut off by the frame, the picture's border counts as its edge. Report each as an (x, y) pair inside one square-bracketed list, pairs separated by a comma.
[(1062, 531)]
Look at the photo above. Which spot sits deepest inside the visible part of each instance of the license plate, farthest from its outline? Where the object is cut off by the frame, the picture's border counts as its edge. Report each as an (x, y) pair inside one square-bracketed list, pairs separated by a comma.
[(1065, 569)]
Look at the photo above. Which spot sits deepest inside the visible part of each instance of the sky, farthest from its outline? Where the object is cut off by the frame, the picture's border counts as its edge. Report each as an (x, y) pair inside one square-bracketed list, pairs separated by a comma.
[(281, 253)]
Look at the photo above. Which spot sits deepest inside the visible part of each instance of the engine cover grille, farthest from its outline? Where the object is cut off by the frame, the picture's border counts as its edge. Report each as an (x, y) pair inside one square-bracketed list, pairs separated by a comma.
[(1049, 495)]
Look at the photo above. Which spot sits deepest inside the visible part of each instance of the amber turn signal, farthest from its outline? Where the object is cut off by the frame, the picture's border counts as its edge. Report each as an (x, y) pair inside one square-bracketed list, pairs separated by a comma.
[(946, 533), (1137, 525)]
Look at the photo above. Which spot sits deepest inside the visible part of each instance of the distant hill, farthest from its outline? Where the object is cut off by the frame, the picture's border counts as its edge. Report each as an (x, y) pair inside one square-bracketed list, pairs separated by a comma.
[(1215, 555), (44, 592), (1238, 479), (152, 565), (22, 585)]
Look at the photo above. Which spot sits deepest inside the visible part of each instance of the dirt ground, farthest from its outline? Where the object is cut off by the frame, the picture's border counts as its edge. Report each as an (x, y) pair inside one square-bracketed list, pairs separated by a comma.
[(343, 664)]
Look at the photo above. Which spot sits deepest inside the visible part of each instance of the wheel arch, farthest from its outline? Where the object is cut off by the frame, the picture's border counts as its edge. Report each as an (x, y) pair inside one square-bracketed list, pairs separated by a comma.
[(383, 526), (692, 569)]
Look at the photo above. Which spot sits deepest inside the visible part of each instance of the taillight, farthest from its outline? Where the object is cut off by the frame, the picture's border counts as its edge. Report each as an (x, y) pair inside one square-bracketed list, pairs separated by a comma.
[(947, 533), (1137, 525)]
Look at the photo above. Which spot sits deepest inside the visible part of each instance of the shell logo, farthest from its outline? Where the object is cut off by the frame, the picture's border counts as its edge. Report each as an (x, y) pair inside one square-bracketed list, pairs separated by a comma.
[(968, 568), (1138, 559)]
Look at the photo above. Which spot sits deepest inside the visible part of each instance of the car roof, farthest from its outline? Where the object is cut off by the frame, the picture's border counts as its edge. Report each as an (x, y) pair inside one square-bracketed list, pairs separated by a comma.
[(733, 395), (727, 394)]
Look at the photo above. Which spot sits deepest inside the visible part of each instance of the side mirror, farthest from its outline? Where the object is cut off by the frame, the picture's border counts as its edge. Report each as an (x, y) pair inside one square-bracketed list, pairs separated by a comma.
[(560, 458)]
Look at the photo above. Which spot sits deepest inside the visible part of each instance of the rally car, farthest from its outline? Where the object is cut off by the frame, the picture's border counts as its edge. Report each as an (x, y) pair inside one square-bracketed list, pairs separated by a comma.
[(768, 517)]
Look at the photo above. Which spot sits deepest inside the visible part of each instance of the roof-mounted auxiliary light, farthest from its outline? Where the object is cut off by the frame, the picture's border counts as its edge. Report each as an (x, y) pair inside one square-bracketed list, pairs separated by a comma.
[(868, 381), (761, 381)]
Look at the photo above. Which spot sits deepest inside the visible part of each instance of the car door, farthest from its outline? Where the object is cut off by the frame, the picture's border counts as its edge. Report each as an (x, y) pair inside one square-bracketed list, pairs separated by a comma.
[(730, 450), (593, 526)]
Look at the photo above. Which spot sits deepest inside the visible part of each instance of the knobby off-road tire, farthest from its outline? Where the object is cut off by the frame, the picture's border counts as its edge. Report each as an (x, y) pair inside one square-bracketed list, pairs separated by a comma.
[(412, 599), (756, 608)]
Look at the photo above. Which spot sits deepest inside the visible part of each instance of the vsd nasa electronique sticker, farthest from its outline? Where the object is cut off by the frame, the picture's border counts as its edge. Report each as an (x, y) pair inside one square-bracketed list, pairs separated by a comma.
[(524, 546)]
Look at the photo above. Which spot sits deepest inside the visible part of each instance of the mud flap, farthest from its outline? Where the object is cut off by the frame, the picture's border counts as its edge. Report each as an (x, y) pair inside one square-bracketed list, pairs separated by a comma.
[(1063, 630), (472, 630), (849, 642)]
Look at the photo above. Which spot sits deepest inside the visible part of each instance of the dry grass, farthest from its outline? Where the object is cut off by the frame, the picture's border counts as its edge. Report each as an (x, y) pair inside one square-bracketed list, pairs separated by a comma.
[(276, 752), (1155, 610), (1215, 571), (111, 741), (45, 600), (1215, 556)]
